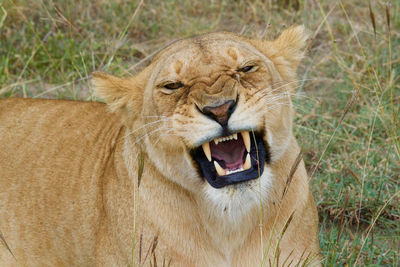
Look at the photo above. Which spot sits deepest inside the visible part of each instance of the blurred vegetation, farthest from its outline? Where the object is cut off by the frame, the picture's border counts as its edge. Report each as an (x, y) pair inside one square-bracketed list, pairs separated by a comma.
[(348, 104)]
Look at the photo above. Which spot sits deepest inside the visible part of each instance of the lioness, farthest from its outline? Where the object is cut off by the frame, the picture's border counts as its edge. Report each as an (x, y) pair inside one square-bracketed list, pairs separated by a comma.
[(192, 161)]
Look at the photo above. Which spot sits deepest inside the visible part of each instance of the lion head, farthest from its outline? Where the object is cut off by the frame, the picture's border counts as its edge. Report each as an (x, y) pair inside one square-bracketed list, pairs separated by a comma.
[(213, 113)]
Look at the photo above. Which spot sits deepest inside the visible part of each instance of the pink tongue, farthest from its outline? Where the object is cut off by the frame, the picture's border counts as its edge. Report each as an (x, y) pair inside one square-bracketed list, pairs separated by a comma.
[(231, 152)]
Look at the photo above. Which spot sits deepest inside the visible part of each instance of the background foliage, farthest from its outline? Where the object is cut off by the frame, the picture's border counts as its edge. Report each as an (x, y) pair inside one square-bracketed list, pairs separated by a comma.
[(348, 104)]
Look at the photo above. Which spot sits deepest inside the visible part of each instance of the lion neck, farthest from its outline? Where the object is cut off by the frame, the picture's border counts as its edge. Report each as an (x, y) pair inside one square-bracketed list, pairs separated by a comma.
[(160, 196)]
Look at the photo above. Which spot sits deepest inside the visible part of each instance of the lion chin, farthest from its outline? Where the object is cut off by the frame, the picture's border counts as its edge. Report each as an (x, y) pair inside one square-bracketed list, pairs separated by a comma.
[(193, 160), (234, 202)]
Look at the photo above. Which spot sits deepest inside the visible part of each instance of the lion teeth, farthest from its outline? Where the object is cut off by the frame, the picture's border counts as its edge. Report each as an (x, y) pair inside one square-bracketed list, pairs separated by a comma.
[(207, 151), (247, 163), (219, 169), (225, 138), (246, 140)]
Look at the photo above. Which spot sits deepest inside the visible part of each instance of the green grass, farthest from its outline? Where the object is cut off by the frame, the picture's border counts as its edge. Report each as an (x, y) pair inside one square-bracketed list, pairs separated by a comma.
[(348, 107)]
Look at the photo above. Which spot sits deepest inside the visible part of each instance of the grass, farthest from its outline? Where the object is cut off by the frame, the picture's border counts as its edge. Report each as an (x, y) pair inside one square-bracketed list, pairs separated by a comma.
[(348, 105)]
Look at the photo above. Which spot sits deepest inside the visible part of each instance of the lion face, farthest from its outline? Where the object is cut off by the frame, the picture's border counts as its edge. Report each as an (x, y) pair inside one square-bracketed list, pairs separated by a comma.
[(216, 112)]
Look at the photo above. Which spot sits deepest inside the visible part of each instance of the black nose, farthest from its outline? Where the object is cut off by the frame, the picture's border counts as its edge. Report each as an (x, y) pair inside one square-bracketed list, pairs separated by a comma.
[(220, 113)]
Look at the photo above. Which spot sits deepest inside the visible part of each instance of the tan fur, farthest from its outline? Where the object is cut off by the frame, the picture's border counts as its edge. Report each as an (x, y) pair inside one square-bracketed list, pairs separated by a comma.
[(69, 193)]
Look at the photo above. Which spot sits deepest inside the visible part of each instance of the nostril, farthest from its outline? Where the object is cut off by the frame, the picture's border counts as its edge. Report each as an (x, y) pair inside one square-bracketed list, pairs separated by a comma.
[(232, 108), (206, 111), (220, 113)]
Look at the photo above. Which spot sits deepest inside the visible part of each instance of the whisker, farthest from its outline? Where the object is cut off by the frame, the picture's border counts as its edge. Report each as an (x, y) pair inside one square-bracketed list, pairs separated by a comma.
[(152, 132), (284, 83), (155, 116), (298, 80), (264, 94), (146, 125), (164, 134), (294, 95)]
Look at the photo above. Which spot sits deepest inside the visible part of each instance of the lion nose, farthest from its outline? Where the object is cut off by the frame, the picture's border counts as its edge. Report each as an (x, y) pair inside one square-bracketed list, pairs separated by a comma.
[(220, 113)]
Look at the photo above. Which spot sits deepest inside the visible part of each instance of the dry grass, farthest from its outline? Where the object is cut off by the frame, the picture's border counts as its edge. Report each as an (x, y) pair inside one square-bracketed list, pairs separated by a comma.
[(348, 104)]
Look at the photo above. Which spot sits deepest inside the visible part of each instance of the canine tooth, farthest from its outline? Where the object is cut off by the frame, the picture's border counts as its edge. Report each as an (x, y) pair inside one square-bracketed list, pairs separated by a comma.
[(246, 140), (219, 169), (207, 151), (235, 136), (247, 163)]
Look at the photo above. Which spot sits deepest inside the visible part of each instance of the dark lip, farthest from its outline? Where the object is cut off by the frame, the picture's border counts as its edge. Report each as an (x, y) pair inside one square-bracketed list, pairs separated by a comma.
[(259, 153)]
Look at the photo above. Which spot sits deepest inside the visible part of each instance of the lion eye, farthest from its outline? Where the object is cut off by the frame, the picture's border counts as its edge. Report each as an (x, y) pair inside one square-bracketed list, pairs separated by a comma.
[(247, 68), (173, 86)]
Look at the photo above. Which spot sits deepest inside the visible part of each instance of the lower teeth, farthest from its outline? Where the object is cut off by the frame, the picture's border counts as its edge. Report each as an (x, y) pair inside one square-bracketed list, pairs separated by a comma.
[(233, 171), (221, 171)]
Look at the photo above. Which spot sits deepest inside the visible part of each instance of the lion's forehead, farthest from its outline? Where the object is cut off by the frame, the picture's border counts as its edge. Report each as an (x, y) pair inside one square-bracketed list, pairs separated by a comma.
[(204, 55)]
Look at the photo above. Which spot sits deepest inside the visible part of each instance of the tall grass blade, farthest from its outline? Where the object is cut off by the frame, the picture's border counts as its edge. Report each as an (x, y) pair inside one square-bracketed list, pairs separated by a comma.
[(283, 231), (3, 17), (343, 212), (372, 17), (140, 167), (151, 249), (3, 240), (387, 11), (295, 165)]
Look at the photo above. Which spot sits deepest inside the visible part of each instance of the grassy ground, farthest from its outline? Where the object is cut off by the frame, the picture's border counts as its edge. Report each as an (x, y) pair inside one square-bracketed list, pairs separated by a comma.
[(348, 108)]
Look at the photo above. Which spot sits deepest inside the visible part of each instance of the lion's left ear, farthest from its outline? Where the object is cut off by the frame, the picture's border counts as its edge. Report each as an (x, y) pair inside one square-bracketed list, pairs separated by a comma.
[(120, 94), (287, 50)]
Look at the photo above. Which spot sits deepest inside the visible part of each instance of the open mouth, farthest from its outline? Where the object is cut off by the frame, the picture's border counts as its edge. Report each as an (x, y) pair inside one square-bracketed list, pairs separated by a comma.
[(232, 159)]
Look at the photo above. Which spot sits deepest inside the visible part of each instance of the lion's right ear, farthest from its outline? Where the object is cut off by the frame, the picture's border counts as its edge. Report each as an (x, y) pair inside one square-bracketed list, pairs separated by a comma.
[(289, 50), (119, 93)]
